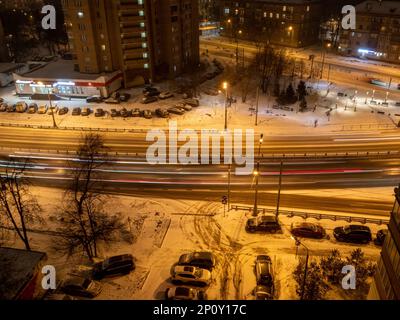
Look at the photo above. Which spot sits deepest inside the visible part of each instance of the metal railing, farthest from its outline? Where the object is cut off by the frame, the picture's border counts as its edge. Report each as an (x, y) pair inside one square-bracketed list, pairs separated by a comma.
[(317, 216)]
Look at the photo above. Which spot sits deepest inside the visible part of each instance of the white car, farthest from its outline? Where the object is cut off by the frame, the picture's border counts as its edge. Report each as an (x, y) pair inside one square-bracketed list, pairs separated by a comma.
[(165, 95), (191, 275), (184, 293)]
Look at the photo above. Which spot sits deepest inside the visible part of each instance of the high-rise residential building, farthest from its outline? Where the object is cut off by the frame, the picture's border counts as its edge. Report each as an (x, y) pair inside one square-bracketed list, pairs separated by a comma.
[(377, 33), (145, 39), (386, 284), (291, 23)]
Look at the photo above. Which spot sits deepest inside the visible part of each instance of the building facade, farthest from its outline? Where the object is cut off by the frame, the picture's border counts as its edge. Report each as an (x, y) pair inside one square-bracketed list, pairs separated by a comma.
[(145, 39), (377, 33), (291, 23), (386, 284)]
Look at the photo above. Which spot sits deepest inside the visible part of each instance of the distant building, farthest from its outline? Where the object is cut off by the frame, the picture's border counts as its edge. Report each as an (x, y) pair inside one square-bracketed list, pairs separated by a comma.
[(291, 23), (60, 79), (386, 284), (146, 40), (377, 33), (20, 276)]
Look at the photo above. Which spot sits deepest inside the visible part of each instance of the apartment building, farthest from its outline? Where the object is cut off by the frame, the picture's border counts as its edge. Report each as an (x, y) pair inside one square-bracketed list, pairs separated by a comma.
[(386, 284), (377, 33), (290, 23), (145, 39)]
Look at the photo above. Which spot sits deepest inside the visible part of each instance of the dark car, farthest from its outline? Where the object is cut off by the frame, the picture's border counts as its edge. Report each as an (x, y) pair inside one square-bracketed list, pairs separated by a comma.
[(125, 113), (380, 237), (62, 111), (152, 93), (11, 108), (81, 287), (117, 265), (162, 113), (147, 100), (204, 260), (123, 97), (263, 292), (96, 99), (263, 270), (33, 107), (114, 113), (147, 114), (307, 230), (99, 113), (76, 111), (353, 233), (263, 223), (149, 89)]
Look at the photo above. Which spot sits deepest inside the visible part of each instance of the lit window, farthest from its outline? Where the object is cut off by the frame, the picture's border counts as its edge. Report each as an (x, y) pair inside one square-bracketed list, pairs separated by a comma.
[(143, 34), (284, 8), (80, 14), (142, 24), (308, 8), (145, 55), (140, 1), (226, 10), (146, 65), (103, 47), (141, 13)]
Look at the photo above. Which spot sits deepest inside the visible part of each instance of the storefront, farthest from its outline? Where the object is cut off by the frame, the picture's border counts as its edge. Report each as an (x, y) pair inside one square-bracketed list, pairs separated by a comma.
[(68, 85)]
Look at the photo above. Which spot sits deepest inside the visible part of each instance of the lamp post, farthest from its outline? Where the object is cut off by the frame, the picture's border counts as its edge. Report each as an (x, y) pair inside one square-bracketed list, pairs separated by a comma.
[(49, 92), (225, 87), (386, 97), (256, 174), (373, 95), (366, 97), (303, 286)]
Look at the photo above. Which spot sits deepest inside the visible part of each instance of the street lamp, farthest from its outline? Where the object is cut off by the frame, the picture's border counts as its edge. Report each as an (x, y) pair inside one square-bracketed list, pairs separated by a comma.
[(50, 91), (299, 243), (366, 97), (373, 95), (225, 87), (256, 174), (387, 95)]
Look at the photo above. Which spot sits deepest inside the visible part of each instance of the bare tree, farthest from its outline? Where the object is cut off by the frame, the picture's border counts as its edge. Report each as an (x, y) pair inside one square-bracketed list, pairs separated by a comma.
[(17, 205), (84, 221)]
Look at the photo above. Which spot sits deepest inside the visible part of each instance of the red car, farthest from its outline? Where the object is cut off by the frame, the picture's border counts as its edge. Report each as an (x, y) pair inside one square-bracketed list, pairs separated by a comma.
[(307, 230)]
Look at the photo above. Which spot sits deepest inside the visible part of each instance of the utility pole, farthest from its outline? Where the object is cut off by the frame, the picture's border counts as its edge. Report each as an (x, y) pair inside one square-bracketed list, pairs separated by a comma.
[(229, 187), (303, 287), (51, 109), (256, 175), (329, 72), (279, 191)]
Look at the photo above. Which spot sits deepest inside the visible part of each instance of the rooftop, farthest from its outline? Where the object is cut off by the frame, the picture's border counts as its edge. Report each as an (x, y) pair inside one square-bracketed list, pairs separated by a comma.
[(62, 70), (17, 269), (382, 7), (6, 67)]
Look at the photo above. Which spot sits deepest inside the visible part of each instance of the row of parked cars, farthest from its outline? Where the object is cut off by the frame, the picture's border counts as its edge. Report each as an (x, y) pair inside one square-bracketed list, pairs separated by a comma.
[(351, 233)]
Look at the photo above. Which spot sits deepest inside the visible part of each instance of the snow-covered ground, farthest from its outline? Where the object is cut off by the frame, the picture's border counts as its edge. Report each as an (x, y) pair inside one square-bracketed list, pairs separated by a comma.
[(164, 229)]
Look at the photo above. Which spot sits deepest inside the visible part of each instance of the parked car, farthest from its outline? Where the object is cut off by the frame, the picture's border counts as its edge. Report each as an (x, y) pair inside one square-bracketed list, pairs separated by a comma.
[(380, 237), (3, 107), (192, 102), (81, 287), (62, 111), (21, 107), (176, 111), (113, 99), (96, 99), (397, 104), (76, 111), (42, 109), (211, 92), (150, 99), (114, 113), (152, 93), (203, 259), (185, 293), (99, 113), (149, 89), (11, 108), (86, 111), (263, 292), (116, 265), (1, 100), (307, 230), (124, 97), (166, 95), (33, 107), (162, 113), (263, 223), (263, 270), (147, 114), (186, 107), (124, 113), (190, 275), (136, 112), (353, 233)]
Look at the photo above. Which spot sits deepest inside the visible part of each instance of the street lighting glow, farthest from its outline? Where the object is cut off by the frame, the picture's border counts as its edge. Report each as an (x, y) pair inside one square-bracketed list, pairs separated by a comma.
[(290, 28), (225, 85)]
